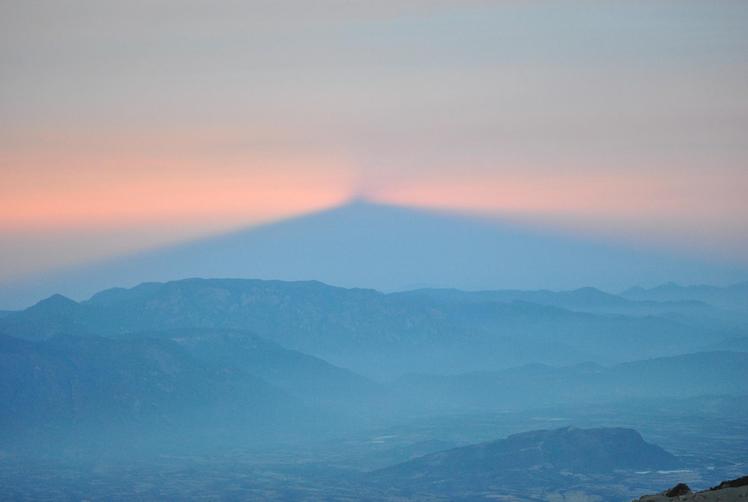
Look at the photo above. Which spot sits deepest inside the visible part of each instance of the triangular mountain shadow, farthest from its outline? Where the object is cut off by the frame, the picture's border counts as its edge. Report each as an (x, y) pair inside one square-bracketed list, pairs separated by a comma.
[(362, 244)]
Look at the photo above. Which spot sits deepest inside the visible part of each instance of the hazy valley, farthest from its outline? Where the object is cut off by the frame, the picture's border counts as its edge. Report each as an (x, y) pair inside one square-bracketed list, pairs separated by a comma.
[(350, 250), (304, 390)]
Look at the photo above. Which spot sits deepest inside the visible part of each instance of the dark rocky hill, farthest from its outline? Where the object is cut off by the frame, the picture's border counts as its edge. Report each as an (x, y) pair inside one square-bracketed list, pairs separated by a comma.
[(539, 458)]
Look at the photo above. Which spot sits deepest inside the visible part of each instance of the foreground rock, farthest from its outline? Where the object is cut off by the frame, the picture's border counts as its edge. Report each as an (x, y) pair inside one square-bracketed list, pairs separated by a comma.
[(736, 489)]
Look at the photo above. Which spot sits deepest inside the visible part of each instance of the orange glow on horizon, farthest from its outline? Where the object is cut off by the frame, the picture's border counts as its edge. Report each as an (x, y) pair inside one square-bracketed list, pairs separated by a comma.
[(163, 190), (585, 196), (166, 195)]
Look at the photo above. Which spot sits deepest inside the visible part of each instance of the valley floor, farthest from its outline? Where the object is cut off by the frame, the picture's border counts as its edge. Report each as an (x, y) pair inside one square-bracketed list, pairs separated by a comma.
[(713, 447)]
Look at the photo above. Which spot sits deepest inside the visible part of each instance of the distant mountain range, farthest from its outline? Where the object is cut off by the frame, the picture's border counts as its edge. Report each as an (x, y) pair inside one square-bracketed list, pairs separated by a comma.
[(388, 248), (243, 360), (390, 334), (585, 299), (558, 458), (691, 375), (728, 306), (731, 297), (202, 379)]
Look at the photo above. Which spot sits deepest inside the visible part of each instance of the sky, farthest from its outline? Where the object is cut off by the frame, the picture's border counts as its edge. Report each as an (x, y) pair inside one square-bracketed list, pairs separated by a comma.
[(130, 125)]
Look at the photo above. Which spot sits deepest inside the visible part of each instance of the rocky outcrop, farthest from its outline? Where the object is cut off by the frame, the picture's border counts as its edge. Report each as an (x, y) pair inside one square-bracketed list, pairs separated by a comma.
[(727, 491)]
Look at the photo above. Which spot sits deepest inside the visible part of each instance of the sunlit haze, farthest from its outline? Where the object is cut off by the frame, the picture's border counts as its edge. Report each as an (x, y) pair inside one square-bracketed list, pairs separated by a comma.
[(374, 250), (128, 125)]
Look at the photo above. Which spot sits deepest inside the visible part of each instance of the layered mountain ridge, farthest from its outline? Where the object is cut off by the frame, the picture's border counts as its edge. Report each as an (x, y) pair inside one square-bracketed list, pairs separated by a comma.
[(380, 334)]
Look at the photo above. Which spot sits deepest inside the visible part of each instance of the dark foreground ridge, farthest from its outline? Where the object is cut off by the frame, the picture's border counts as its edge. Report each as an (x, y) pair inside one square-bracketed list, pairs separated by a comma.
[(735, 489)]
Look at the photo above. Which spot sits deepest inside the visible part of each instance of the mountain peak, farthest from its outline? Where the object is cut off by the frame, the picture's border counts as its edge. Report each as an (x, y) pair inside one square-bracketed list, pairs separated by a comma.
[(591, 292), (56, 302), (360, 200)]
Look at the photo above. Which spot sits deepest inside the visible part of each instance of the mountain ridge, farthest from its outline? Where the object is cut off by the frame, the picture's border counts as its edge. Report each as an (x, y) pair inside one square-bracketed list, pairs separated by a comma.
[(681, 376), (200, 382), (733, 296), (367, 330)]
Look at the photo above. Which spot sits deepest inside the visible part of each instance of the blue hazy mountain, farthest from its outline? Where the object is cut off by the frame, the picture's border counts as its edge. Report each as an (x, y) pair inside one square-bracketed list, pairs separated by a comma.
[(304, 377), (371, 332), (259, 382), (216, 384), (737, 344), (540, 458), (723, 315), (734, 296), (71, 382), (386, 248), (593, 300), (675, 377)]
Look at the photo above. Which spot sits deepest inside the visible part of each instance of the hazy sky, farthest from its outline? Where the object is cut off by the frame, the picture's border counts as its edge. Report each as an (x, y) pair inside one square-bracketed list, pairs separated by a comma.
[(129, 124)]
